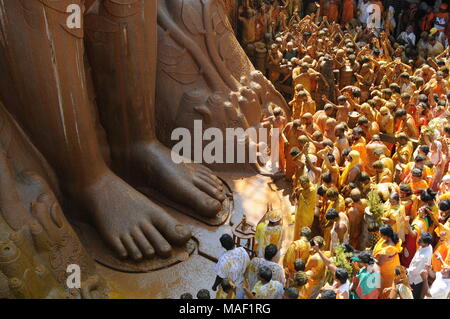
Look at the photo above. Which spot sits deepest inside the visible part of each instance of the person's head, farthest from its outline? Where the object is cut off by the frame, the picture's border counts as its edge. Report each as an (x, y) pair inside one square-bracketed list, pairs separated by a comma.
[(357, 133), (405, 191), (307, 119), (387, 233), (328, 294), (277, 112), (226, 285), (327, 178), (291, 293), (355, 195), (299, 264), (402, 138), (186, 296), (419, 160), (409, 29), (328, 108), (302, 96), (363, 179), (378, 166), (227, 242), (300, 279), (305, 232), (424, 150), (265, 274), (270, 251), (332, 214), (363, 122), (203, 294), (341, 100), (341, 275), (339, 130), (428, 196), (332, 193), (444, 207), (394, 198), (365, 258), (304, 181), (400, 114), (296, 124), (425, 239)]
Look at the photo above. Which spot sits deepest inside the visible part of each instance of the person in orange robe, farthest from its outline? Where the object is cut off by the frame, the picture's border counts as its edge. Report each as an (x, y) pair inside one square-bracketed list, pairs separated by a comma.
[(386, 252), (359, 145), (347, 11), (333, 10)]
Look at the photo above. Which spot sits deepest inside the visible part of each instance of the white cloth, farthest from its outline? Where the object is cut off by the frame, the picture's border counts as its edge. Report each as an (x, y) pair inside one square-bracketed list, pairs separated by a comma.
[(232, 265), (421, 258), (440, 289), (364, 13), (344, 289), (405, 36), (256, 263), (272, 290)]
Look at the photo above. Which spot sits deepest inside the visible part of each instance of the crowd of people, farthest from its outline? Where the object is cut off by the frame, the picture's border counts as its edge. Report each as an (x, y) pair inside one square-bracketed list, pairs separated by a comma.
[(365, 147)]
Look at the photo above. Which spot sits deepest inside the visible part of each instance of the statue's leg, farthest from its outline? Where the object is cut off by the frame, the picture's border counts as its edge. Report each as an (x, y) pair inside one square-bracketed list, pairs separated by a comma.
[(46, 64), (122, 52)]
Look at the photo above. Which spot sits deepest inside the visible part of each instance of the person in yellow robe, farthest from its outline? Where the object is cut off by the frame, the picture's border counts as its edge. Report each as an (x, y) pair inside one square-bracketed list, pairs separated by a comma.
[(306, 204), (316, 271), (386, 252), (351, 169), (268, 232), (396, 216), (442, 230), (298, 249), (359, 145), (404, 150)]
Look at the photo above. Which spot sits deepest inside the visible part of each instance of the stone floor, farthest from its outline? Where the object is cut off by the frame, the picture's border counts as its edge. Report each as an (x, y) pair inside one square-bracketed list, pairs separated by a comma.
[(251, 196)]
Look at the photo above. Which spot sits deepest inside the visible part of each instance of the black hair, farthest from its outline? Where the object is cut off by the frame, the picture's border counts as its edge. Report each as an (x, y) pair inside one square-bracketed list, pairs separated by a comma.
[(366, 257), (332, 214), (426, 238), (346, 151), (203, 294), (291, 293), (326, 177), (386, 230), (425, 149), (428, 195), (299, 264), (227, 242), (321, 190), (420, 158), (341, 275), (226, 285), (270, 251), (328, 294), (186, 296), (331, 158), (444, 205), (400, 113), (265, 273)]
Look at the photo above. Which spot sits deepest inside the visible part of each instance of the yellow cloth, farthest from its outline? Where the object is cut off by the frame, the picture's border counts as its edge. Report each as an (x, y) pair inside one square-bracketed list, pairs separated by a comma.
[(387, 269), (297, 249), (223, 295), (266, 235), (306, 204), (316, 271), (355, 161)]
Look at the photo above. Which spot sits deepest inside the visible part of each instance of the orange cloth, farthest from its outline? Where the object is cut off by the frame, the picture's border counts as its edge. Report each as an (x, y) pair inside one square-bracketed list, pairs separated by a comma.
[(347, 11), (387, 269)]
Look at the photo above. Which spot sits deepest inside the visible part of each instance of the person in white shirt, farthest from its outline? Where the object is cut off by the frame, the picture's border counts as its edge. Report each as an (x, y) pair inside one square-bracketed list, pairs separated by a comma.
[(265, 288), (270, 252), (440, 289), (421, 258), (232, 265), (408, 36)]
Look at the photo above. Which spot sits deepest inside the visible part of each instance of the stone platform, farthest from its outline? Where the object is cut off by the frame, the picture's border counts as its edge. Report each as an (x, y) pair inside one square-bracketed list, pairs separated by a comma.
[(251, 195)]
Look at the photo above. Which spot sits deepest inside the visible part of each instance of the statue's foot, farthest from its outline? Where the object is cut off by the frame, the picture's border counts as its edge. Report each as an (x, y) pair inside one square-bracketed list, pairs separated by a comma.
[(130, 223), (192, 185)]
